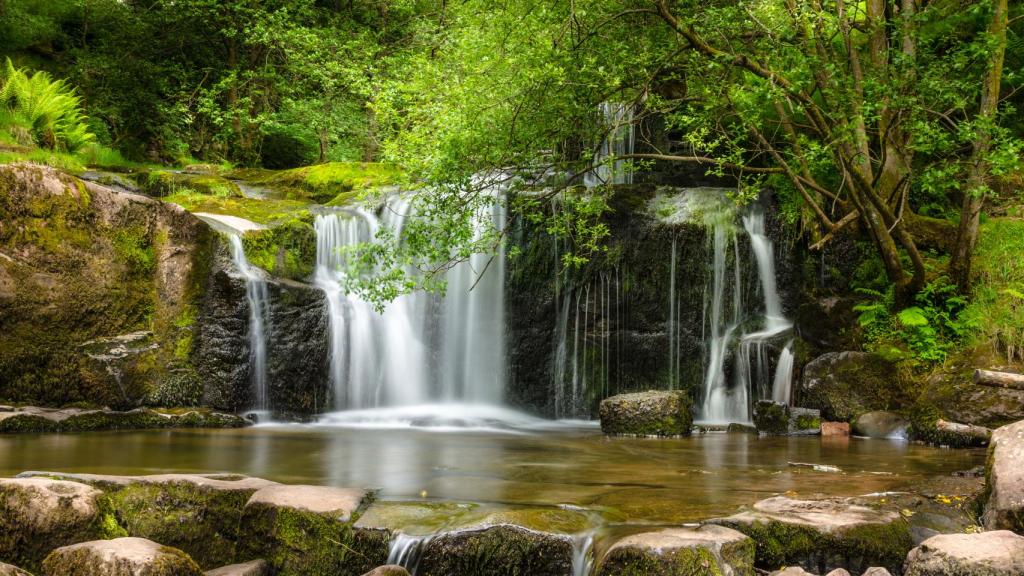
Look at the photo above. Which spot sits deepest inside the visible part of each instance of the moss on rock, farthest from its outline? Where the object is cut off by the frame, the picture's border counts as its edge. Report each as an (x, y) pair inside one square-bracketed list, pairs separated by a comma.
[(707, 550), (502, 550), (653, 413), (120, 557), (771, 417)]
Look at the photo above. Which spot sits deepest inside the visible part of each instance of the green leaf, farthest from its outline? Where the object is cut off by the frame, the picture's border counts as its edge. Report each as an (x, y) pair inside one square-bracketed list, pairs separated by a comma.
[(912, 317)]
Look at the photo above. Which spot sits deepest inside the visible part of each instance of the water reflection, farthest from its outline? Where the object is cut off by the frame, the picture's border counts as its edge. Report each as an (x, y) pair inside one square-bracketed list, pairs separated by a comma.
[(656, 480)]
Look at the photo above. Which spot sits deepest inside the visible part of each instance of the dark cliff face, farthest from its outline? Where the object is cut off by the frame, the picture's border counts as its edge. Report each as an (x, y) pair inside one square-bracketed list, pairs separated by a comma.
[(607, 328), (297, 344)]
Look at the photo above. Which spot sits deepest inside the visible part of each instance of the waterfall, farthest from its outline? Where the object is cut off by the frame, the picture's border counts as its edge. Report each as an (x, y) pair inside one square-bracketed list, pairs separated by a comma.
[(617, 120), (259, 320), (405, 551), (751, 352), (422, 348)]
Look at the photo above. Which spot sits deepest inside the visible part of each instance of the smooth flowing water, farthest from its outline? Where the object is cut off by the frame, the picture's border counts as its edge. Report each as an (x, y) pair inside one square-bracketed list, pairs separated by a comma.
[(422, 348), (527, 461), (619, 141), (259, 321)]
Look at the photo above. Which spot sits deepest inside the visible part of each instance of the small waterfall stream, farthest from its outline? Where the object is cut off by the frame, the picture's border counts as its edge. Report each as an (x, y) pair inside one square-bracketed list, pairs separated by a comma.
[(617, 120), (259, 322)]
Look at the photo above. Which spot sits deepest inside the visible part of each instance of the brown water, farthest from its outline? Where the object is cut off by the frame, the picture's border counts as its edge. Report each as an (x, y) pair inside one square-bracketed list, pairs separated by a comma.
[(644, 479)]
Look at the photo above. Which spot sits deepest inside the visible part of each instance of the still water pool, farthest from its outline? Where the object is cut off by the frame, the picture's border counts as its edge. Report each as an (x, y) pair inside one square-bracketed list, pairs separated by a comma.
[(657, 480)]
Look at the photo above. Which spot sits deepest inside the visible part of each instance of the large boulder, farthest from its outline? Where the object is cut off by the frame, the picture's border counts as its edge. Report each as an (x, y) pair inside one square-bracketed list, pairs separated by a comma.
[(880, 424), (706, 549), (8, 570), (497, 551), (653, 413), (1004, 481), (844, 385), (308, 530), (200, 514), (822, 535), (40, 514), (119, 557), (84, 269), (999, 553)]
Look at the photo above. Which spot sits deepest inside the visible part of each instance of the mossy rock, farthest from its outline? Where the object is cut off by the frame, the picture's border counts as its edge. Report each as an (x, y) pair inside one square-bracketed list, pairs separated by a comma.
[(844, 385), (120, 557), (706, 550), (771, 417), (923, 420), (502, 550), (309, 531), (40, 514), (8, 570), (1004, 480), (996, 553), (653, 413), (822, 535), (287, 250), (40, 420)]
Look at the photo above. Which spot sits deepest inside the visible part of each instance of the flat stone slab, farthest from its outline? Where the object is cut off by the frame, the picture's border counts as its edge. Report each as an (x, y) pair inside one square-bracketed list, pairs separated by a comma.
[(653, 413), (707, 549), (430, 518), (40, 514), (822, 535), (254, 568), (8, 570), (998, 553), (229, 482), (340, 503), (1005, 480), (119, 557), (33, 419)]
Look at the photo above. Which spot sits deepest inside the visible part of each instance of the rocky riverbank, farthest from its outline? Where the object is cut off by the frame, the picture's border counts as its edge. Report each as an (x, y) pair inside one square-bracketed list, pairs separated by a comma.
[(57, 524)]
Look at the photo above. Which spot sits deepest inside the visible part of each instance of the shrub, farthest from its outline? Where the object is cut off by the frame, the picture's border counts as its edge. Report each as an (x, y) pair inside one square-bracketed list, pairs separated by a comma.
[(38, 110)]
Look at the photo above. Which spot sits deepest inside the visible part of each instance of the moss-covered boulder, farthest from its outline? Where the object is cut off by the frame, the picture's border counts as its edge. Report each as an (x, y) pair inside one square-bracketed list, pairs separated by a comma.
[(8, 570), (998, 553), (308, 530), (199, 514), (501, 550), (1004, 480), (844, 385), (119, 557), (82, 265), (822, 535), (653, 413), (771, 417), (707, 550), (40, 514), (251, 568)]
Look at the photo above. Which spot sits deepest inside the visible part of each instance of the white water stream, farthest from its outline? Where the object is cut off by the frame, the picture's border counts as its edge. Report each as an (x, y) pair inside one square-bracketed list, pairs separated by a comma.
[(259, 322)]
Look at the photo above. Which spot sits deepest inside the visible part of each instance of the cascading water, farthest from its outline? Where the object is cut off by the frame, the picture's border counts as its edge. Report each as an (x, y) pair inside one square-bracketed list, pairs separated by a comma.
[(259, 321), (725, 401), (422, 348), (619, 142)]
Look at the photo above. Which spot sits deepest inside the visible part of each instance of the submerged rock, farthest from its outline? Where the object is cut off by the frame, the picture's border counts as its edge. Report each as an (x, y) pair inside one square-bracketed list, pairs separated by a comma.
[(706, 549), (880, 424), (1005, 480), (199, 514), (308, 530), (999, 553), (253, 568), (653, 413), (40, 514), (844, 385), (822, 535), (119, 557), (497, 551)]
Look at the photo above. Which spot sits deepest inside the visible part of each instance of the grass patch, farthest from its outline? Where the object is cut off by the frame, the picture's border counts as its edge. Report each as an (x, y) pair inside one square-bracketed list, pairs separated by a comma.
[(997, 308), (332, 182)]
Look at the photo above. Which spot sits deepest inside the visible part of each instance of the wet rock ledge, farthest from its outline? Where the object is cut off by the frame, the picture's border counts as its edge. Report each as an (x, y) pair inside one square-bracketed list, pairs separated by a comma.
[(31, 419)]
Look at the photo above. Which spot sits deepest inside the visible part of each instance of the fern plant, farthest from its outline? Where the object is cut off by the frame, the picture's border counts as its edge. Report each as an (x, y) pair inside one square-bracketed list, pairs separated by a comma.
[(39, 110)]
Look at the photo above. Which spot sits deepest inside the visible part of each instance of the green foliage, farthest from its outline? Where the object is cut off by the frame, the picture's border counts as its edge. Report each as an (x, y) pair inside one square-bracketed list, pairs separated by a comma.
[(997, 308), (40, 111), (926, 332)]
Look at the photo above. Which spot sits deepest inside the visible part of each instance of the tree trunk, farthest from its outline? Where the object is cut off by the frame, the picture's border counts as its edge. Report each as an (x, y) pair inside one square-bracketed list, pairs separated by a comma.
[(322, 138), (979, 432), (999, 379), (974, 196)]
